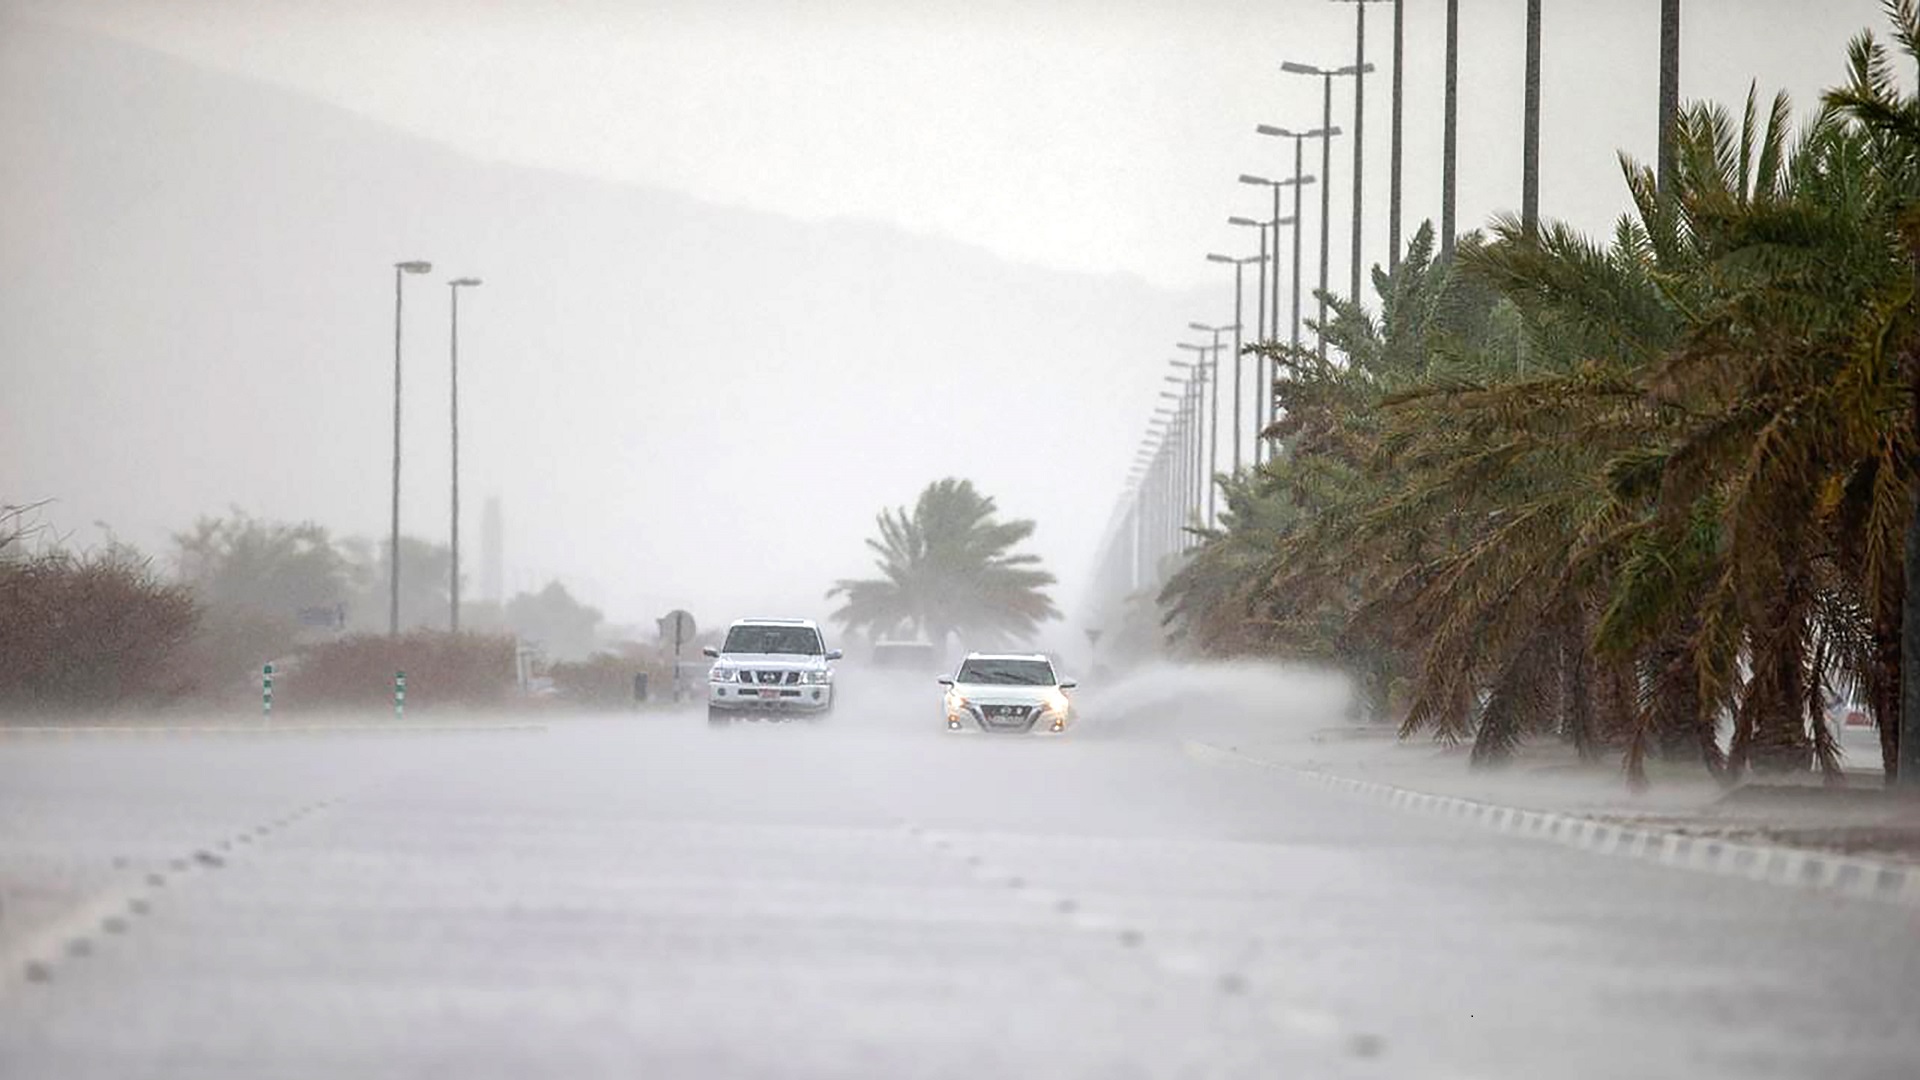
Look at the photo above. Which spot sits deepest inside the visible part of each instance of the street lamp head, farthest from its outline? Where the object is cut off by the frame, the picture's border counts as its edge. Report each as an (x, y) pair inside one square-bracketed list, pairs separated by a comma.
[(1249, 178), (414, 266), (1292, 68), (1190, 346), (463, 282), (1214, 257), (1363, 69), (1289, 133)]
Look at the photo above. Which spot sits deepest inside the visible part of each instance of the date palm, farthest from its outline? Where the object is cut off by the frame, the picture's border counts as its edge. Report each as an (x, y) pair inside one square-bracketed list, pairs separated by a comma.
[(1872, 99), (947, 568)]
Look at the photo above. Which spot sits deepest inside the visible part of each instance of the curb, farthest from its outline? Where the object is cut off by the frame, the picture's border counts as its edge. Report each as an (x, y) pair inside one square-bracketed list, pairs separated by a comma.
[(1845, 874), (56, 731)]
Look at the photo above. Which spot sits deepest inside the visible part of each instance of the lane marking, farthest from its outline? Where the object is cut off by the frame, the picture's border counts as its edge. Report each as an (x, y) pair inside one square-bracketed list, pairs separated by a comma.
[(1776, 864)]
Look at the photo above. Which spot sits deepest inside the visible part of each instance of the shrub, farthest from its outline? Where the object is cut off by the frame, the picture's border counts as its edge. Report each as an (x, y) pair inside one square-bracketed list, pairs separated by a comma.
[(605, 679), (471, 670), (93, 631)]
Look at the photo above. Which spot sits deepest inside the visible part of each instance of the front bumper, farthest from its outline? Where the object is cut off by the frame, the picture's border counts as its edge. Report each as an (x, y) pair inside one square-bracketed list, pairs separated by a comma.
[(973, 721), (737, 697)]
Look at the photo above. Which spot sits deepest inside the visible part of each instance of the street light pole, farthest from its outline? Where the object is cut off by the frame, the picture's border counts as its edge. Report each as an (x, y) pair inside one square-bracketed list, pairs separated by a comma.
[(1263, 375), (1239, 291), (1326, 75), (1669, 87), (1530, 138), (414, 266), (453, 589), (1393, 190), (1213, 438), (1300, 179), (1450, 131), (1360, 69), (1203, 355), (1195, 382)]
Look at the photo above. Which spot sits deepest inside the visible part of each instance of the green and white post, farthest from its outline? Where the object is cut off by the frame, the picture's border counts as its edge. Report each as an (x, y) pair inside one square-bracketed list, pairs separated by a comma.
[(399, 694), (266, 692)]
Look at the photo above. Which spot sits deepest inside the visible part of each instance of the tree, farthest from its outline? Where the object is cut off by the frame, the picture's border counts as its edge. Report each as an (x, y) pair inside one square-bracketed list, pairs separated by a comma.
[(1872, 98), (948, 568), (425, 567), (563, 627), (263, 570)]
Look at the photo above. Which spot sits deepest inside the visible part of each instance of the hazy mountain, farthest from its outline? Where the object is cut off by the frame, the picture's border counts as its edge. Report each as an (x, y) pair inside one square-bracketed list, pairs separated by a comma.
[(680, 404)]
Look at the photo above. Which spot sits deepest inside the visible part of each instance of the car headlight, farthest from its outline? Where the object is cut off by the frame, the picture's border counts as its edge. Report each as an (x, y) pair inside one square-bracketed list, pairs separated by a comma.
[(723, 674), (816, 678), (1055, 702)]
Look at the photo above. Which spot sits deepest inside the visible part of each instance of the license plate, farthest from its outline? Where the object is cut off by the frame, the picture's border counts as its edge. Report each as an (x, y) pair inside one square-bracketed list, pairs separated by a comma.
[(769, 693)]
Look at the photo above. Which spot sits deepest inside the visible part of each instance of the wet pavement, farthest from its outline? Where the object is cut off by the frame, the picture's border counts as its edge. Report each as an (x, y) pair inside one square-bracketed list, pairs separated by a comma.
[(640, 896)]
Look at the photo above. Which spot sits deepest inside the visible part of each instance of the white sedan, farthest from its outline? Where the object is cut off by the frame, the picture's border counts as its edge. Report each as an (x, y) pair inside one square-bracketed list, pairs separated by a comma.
[(1007, 693)]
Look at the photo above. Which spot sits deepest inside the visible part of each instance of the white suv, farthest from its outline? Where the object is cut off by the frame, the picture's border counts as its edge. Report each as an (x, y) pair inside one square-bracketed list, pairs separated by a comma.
[(772, 669), (1010, 693)]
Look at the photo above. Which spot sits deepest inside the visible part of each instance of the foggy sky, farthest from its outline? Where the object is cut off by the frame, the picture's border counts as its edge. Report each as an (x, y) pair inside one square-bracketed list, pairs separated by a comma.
[(754, 270), (1090, 135)]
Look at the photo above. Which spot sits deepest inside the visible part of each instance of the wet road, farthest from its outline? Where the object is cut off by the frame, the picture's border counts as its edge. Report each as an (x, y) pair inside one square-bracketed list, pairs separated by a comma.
[(644, 897)]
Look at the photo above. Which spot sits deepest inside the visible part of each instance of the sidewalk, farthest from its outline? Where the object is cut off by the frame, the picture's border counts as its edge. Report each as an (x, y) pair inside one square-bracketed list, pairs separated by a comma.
[(1860, 820)]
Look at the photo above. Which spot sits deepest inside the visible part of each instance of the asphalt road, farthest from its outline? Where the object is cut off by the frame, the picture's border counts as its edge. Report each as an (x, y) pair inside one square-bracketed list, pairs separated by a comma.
[(642, 897)]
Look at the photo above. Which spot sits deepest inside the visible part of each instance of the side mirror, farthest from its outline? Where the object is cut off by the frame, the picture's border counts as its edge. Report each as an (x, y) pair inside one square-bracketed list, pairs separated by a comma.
[(946, 680), (1068, 684), (710, 652), (834, 654)]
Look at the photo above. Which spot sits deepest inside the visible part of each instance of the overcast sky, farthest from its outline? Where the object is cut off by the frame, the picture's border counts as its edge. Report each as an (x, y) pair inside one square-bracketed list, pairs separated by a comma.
[(621, 333), (1099, 135)]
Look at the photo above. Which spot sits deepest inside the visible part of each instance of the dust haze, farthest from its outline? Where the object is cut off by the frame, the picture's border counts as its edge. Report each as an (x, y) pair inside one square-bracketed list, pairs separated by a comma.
[(736, 301)]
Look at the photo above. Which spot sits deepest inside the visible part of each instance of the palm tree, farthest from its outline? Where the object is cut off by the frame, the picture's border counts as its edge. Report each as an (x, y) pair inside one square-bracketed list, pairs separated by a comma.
[(948, 568), (1872, 99)]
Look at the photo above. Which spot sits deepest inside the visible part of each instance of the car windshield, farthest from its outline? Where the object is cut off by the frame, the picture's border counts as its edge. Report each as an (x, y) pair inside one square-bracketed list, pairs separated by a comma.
[(804, 640), (1006, 672)]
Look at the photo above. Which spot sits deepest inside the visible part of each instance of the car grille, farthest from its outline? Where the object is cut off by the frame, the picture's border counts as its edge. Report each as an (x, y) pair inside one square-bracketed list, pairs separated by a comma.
[(776, 678), (1007, 717)]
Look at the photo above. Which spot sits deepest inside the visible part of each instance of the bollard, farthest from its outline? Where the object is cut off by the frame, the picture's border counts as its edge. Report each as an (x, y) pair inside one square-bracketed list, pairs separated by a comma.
[(266, 692), (399, 694)]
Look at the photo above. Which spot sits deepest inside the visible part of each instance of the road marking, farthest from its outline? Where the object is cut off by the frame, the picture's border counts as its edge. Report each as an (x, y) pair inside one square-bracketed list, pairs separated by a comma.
[(1850, 875)]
